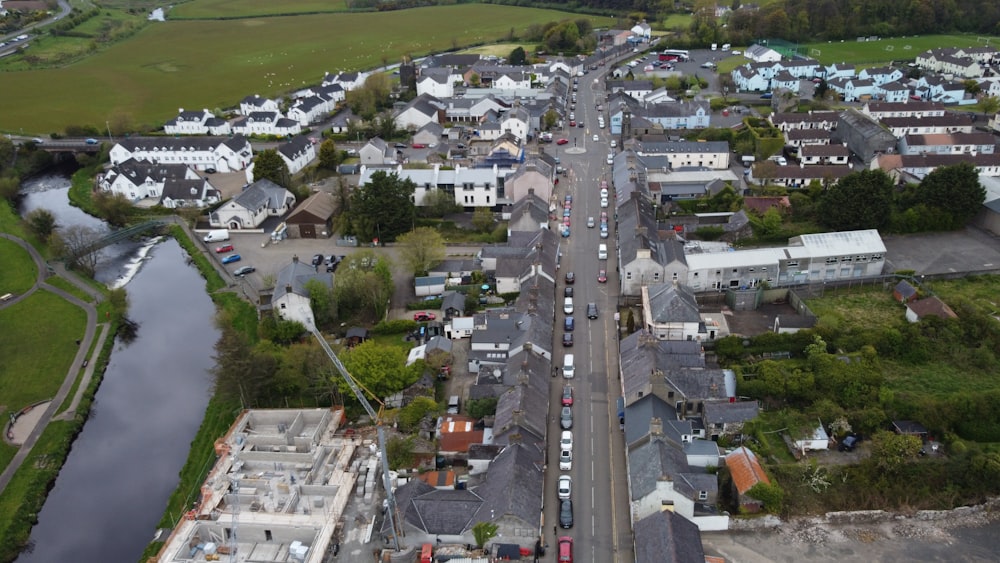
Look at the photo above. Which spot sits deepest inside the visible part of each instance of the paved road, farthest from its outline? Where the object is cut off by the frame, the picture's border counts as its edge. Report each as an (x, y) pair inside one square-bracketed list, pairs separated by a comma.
[(601, 530), (81, 354)]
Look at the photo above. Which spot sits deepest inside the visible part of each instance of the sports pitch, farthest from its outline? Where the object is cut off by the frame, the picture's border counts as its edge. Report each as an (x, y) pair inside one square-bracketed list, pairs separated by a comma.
[(888, 49)]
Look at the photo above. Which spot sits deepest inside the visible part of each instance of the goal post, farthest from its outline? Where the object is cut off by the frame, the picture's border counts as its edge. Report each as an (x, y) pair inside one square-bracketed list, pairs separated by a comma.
[(815, 52)]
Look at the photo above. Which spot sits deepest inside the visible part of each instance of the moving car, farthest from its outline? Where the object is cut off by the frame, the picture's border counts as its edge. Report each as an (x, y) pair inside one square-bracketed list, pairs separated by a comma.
[(566, 418), (91, 141), (562, 141), (244, 270), (224, 248), (572, 124), (596, 138), (566, 513), (591, 310), (590, 222), (565, 486), (567, 396), (423, 316), (602, 276), (570, 278), (565, 460), (566, 440)]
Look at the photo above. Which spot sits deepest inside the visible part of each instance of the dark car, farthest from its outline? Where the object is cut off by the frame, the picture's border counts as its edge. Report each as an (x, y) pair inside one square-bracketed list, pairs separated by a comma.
[(849, 443), (570, 278), (568, 324), (566, 513), (591, 310), (568, 291), (567, 339), (317, 260), (244, 270)]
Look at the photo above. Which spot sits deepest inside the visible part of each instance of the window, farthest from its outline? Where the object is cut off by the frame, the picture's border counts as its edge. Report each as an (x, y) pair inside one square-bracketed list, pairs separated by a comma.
[(656, 276), (702, 495), (695, 274), (831, 260)]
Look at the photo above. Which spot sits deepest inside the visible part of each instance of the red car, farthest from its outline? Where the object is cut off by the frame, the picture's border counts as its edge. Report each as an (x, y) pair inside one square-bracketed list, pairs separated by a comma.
[(566, 221), (572, 123), (224, 248), (567, 396), (422, 316), (418, 146), (602, 276), (562, 141)]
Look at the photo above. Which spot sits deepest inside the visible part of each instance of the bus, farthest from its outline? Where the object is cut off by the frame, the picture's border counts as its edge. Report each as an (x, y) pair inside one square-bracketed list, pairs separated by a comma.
[(674, 55)]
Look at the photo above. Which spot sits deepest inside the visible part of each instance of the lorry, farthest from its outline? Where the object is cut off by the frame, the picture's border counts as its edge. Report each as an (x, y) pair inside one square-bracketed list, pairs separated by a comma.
[(217, 235)]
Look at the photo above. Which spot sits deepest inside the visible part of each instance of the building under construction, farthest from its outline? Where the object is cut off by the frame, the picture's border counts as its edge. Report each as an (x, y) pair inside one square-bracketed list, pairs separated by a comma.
[(278, 490)]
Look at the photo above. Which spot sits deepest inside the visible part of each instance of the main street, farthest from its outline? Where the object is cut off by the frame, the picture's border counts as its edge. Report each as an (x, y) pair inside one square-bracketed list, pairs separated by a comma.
[(601, 530)]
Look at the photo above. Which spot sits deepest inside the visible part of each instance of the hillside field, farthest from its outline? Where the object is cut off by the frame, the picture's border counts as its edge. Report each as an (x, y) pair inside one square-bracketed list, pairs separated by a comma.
[(212, 64), (209, 9)]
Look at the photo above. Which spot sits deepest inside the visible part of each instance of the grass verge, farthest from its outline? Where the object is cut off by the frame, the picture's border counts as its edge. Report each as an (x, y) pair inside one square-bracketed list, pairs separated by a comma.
[(19, 271)]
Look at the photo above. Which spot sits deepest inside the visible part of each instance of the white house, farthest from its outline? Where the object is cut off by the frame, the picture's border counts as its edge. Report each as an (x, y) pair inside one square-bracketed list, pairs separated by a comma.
[(893, 92), (761, 54), (517, 122), (255, 103), (291, 295), (670, 312), (189, 193), (196, 123), (512, 81), (377, 152), (837, 154), (785, 81), (881, 75), (267, 123), (838, 70), (748, 80), (347, 80), (310, 109), (419, 112), (297, 153), (248, 210), (201, 153), (857, 89), (437, 82), (642, 30), (471, 187), (137, 180), (681, 154), (818, 440)]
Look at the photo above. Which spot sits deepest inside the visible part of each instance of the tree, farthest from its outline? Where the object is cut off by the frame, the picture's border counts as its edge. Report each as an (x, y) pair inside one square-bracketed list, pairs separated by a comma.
[(989, 105), (860, 200), (769, 494), (381, 369), (329, 156), (484, 532), (115, 208), (890, 451), (954, 191), (268, 165), (7, 150), (478, 408), (438, 203), (423, 248), (77, 244), (322, 303), (517, 57), (482, 219), (42, 223), (382, 208), (549, 119), (409, 417), (363, 285)]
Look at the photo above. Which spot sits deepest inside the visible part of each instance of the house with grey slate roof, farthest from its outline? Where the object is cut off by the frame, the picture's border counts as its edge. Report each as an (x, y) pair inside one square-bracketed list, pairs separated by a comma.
[(291, 296), (644, 257), (262, 199), (179, 192), (136, 179), (666, 537), (530, 213), (297, 153), (670, 312), (224, 154), (512, 493), (196, 123), (722, 418)]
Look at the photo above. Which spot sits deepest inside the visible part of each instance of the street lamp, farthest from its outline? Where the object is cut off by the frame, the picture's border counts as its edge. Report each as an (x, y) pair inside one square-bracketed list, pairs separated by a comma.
[(108, 125)]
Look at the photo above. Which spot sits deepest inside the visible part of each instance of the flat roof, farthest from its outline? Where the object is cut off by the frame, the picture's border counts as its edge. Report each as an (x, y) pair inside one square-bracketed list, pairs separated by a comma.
[(735, 259)]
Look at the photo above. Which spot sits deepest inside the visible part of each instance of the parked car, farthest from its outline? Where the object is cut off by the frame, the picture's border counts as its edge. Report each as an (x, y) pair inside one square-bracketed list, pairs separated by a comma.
[(568, 324), (570, 278), (567, 396), (566, 418), (423, 316), (566, 440), (565, 486), (568, 291), (566, 513), (400, 145), (849, 443), (565, 545), (317, 260), (231, 258), (418, 146), (565, 460), (567, 339), (602, 276), (224, 248), (244, 270)]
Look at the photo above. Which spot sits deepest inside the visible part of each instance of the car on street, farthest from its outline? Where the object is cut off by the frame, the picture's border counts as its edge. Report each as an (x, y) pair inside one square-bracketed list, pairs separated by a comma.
[(567, 211), (423, 316), (567, 396), (568, 324), (91, 141), (418, 146), (596, 138), (611, 158), (566, 513), (568, 291), (400, 145), (572, 124), (224, 248), (231, 258), (565, 486), (564, 550), (604, 216), (590, 222), (564, 232), (566, 440), (570, 277), (579, 124), (604, 230), (244, 270), (565, 460), (567, 339), (566, 418), (591, 311), (604, 202), (602, 276), (568, 200), (566, 221), (317, 260), (562, 141)]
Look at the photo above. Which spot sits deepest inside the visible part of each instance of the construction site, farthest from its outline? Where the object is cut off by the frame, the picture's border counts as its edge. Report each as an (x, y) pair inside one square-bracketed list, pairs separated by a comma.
[(278, 490)]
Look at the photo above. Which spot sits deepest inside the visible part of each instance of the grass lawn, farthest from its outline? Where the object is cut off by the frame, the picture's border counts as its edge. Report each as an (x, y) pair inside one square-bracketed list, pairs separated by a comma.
[(70, 288), (19, 271), (883, 50), (500, 49), (857, 308), (674, 21), (984, 291), (252, 8), (38, 347), (396, 340), (210, 64)]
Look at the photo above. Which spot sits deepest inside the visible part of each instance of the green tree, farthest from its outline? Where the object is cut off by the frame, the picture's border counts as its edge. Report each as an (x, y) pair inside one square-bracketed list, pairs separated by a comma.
[(381, 369), (483, 532), (890, 451), (860, 200), (438, 203), (322, 303), (989, 105), (478, 408), (954, 191), (409, 417), (400, 452), (770, 223), (382, 208), (118, 299), (770, 495), (363, 285), (482, 219), (268, 165), (115, 208), (42, 223), (423, 248), (7, 150), (517, 57), (329, 156), (549, 119)]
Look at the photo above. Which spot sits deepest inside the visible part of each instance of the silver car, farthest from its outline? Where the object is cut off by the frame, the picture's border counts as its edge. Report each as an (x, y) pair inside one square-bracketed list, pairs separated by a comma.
[(566, 418)]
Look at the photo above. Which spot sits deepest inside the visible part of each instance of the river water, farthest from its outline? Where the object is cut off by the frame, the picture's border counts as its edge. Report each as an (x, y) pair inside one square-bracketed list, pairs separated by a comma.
[(115, 484)]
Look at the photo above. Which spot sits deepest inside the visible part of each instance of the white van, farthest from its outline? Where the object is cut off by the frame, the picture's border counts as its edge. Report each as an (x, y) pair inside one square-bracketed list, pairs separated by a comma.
[(602, 252), (217, 235), (569, 370), (568, 306), (454, 404)]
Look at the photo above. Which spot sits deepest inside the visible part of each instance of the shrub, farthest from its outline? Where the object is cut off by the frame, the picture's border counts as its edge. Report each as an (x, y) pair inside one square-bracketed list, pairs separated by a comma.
[(395, 326)]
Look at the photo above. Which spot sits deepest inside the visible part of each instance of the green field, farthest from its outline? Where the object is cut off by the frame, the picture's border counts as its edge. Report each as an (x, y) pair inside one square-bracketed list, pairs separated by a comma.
[(675, 21), (19, 272), (208, 9), (211, 64), (885, 50)]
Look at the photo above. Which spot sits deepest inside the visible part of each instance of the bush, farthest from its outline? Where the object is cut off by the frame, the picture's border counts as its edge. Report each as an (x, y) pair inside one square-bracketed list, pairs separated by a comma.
[(395, 326)]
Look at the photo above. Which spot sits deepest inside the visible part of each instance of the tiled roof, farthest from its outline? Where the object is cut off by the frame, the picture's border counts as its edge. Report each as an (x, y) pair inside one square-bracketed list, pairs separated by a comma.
[(745, 470)]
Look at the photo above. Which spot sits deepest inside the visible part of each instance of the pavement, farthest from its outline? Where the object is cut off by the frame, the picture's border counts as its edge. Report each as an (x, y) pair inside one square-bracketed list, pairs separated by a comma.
[(27, 438)]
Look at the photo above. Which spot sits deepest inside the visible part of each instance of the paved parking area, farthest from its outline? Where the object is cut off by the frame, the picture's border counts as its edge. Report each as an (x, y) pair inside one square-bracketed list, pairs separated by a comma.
[(968, 250)]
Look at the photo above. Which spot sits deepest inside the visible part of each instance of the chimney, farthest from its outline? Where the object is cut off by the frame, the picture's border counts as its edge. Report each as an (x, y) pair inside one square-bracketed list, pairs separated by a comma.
[(518, 417), (295, 258), (655, 426)]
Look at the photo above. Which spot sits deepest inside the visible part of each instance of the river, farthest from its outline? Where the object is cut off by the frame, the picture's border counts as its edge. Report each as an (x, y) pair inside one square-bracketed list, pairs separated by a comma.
[(114, 486)]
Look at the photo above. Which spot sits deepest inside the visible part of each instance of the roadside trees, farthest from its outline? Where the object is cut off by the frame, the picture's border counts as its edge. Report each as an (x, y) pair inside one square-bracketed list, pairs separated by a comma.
[(423, 248)]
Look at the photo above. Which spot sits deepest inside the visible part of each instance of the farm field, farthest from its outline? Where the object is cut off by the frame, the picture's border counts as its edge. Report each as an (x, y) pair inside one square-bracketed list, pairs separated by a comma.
[(887, 49), (231, 9), (210, 64)]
